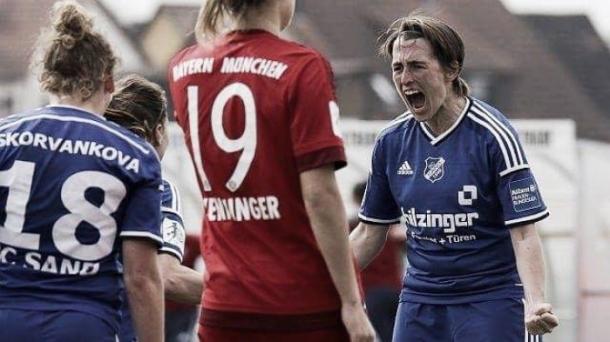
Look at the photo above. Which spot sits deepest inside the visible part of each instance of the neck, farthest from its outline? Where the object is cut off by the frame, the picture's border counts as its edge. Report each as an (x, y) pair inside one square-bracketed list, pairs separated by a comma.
[(96, 104), (447, 115), (265, 17)]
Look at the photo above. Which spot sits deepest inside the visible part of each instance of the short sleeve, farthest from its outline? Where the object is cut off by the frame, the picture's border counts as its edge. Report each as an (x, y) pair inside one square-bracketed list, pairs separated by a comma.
[(172, 226), (316, 139), (378, 204), (517, 189), (142, 217)]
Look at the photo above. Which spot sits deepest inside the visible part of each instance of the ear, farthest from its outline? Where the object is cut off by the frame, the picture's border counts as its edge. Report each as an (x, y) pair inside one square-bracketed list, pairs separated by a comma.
[(453, 71), (159, 133), (109, 84)]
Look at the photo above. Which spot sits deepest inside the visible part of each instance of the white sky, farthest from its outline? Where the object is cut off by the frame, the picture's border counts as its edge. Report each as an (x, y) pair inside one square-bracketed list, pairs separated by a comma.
[(598, 10)]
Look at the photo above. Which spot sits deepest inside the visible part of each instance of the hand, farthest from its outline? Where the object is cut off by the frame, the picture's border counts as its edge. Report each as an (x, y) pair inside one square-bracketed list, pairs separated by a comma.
[(357, 323), (539, 319)]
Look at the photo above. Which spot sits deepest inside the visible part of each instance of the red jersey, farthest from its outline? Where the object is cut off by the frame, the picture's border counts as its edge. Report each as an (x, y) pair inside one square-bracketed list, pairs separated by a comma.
[(256, 111), (385, 270), (191, 253)]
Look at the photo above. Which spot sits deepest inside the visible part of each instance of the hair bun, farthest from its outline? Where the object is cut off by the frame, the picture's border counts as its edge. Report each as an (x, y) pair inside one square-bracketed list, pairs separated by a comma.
[(71, 23)]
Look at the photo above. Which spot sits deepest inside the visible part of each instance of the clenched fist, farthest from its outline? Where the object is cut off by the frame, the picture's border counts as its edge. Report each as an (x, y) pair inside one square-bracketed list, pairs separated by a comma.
[(539, 319)]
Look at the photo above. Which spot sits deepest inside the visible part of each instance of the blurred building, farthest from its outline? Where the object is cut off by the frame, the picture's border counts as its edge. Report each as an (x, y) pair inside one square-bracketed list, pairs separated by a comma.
[(529, 67), (580, 50), (20, 24)]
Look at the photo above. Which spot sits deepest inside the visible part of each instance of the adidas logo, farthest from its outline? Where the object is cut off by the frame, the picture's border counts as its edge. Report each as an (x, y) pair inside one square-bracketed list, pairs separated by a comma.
[(405, 169)]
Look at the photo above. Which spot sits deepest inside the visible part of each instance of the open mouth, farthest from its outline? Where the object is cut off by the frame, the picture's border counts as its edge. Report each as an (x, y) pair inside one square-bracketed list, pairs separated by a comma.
[(416, 99)]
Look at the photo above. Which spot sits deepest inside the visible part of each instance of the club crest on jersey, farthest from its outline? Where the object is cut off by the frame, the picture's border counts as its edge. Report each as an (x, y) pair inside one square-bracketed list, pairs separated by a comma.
[(435, 169)]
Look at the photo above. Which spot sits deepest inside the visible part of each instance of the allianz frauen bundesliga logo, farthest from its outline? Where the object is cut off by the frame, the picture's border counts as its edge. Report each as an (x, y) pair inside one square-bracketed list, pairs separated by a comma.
[(435, 169)]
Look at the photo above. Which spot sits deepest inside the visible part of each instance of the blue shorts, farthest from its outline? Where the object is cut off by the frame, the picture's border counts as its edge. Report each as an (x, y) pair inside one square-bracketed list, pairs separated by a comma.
[(495, 320), (50, 326), (127, 332)]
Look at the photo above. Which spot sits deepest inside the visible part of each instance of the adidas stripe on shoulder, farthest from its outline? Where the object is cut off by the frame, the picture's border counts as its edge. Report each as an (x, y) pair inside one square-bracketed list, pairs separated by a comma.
[(399, 119), (513, 155)]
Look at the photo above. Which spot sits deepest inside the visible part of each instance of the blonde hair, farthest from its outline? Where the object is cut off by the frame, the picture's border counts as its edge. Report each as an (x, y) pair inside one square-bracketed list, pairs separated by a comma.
[(447, 45), (214, 11), (74, 59)]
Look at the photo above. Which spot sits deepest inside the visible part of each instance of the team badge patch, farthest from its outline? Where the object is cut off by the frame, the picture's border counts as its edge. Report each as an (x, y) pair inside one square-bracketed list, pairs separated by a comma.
[(435, 169), (173, 233), (524, 194)]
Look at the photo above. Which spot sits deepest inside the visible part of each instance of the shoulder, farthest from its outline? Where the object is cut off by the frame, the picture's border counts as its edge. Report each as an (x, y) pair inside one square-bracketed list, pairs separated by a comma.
[(182, 54), (484, 109), (13, 119), (392, 135), (294, 49), (491, 122), (396, 127), (169, 189), (170, 198), (302, 57), (36, 114), (105, 132), (500, 135), (488, 116), (129, 140)]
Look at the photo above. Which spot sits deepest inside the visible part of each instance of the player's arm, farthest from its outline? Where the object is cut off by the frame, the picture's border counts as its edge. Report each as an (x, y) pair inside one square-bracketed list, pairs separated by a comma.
[(530, 264), (367, 241), (144, 288), (329, 223), (181, 283)]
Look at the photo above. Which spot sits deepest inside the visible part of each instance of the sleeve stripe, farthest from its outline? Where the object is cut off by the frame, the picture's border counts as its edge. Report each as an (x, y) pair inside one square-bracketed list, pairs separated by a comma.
[(495, 134), (172, 251), (510, 133), (503, 127), (141, 234), (170, 211), (173, 194), (527, 218), (513, 169), (396, 220), (175, 197), (175, 205), (66, 118), (403, 117), (517, 158)]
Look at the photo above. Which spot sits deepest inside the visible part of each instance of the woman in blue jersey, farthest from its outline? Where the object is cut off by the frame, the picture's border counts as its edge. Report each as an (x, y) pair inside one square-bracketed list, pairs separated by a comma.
[(140, 106), (453, 169), (76, 194)]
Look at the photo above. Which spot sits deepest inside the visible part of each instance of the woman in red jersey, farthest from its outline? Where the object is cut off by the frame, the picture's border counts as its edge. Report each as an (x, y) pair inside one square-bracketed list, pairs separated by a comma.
[(260, 120)]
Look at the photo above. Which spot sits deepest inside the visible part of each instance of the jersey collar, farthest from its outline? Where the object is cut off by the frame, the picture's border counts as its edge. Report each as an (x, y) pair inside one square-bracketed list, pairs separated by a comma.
[(75, 108), (437, 139)]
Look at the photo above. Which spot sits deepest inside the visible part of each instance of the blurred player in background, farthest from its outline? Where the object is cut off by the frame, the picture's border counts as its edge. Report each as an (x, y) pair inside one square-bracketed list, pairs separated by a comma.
[(140, 106), (260, 118), (453, 167), (74, 191), (381, 278)]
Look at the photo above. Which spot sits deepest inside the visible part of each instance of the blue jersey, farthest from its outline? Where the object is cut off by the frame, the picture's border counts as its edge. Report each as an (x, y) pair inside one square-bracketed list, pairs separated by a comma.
[(459, 194), (174, 237), (71, 186)]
